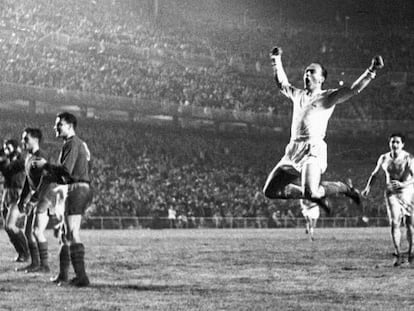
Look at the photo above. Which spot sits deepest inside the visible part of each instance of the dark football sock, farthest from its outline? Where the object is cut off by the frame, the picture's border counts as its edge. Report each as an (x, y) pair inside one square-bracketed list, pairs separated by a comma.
[(43, 254), (34, 254), (14, 242), (64, 262), (22, 243), (77, 255)]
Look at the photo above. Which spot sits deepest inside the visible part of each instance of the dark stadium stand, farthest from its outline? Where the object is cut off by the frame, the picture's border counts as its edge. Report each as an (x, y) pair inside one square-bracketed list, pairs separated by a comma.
[(215, 56), (141, 170), (160, 54)]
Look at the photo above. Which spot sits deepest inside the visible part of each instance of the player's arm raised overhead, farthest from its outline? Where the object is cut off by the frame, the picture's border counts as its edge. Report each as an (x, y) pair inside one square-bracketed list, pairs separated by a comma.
[(373, 176), (345, 93), (278, 70)]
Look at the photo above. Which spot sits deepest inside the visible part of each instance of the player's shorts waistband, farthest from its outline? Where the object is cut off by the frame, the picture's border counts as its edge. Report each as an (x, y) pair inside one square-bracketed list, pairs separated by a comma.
[(306, 138)]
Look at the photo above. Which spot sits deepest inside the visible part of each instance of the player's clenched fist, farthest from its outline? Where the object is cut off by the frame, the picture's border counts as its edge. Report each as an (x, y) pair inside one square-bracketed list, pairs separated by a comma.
[(276, 51), (376, 63)]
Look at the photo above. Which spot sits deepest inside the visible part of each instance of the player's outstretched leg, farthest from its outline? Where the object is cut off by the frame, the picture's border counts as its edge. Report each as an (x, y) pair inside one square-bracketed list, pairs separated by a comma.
[(353, 193), (347, 188)]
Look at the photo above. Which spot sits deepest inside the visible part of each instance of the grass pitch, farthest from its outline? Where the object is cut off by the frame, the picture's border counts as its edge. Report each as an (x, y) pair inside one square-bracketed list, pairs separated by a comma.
[(280, 269)]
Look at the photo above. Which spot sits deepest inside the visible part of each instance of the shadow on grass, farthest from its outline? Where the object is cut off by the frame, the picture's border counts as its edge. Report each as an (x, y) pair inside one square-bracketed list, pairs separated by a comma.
[(177, 288), (16, 284), (141, 287)]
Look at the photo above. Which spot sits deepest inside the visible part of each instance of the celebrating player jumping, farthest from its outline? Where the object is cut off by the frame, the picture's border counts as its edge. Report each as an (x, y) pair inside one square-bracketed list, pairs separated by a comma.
[(298, 174)]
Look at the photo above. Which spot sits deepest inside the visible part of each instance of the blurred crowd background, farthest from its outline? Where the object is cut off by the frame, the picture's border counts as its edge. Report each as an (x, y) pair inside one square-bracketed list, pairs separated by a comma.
[(143, 170), (206, 53)]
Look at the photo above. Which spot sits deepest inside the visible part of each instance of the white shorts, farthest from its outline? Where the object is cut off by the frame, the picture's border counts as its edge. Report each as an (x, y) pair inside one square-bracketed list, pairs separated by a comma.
[(400, 204), (61, 192), (309, 209), (299, 153)]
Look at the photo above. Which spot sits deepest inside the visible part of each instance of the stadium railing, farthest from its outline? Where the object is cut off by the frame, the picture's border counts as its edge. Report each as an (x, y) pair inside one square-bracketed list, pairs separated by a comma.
[(125, 222), (225, 222)]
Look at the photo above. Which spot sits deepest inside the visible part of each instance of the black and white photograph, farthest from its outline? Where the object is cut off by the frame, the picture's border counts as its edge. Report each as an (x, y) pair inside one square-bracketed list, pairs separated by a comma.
[(206, 155)]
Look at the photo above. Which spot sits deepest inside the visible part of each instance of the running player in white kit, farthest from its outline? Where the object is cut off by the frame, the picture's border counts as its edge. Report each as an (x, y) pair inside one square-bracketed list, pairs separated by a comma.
[(398, 166), (298, 174)]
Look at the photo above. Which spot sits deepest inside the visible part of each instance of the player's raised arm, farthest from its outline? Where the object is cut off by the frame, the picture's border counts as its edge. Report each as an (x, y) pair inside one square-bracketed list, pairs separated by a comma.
[(373, 177), (369, 74), (278, 70), (345, 93)]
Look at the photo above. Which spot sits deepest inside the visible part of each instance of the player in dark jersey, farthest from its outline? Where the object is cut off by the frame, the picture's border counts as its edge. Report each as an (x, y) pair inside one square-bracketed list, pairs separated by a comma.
[(72, 170), (12, 168), (36, 199)]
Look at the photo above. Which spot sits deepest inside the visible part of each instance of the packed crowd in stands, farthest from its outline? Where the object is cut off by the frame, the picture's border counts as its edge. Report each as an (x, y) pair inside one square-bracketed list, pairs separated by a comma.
[(237, 78), (142, 170)]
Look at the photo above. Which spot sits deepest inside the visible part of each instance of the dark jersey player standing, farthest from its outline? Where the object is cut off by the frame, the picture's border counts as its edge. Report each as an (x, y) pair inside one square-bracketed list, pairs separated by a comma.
[(12, 168), (37, 200), (72, 170)]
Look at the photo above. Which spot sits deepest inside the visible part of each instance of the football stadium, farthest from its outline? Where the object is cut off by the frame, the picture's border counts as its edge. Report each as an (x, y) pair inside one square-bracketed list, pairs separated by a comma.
[(206, 155)]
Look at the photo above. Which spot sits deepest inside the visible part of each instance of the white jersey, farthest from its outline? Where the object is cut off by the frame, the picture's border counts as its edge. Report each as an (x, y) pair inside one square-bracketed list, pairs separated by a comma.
[(399, 169), (310, 113)]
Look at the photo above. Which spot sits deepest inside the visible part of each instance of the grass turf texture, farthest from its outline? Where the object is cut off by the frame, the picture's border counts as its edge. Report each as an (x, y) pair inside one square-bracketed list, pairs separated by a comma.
[(344, 269)]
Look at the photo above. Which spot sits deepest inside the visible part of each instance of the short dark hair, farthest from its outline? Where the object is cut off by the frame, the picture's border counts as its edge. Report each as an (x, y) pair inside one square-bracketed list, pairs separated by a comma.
[(12, 142), (69, 118), (34, 132), (397, 134)]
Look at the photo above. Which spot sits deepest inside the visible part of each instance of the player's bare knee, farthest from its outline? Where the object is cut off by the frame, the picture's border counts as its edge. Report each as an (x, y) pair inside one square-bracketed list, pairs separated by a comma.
[(11, 228), (395, 224), (7, 228), (38, 233), (69, 236), (76, 237)]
